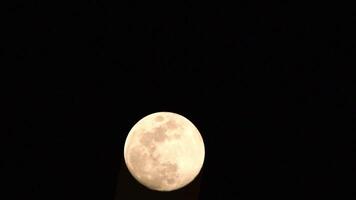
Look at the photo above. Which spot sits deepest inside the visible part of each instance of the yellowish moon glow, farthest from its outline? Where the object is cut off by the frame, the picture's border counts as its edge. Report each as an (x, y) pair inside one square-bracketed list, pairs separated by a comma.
[(164, 151)]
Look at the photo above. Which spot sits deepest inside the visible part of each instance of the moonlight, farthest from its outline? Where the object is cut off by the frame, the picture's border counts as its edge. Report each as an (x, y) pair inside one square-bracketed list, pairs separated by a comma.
[(164, 151)]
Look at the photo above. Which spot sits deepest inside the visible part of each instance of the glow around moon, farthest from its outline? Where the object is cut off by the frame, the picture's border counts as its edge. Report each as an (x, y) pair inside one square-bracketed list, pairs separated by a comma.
[(164, 151)]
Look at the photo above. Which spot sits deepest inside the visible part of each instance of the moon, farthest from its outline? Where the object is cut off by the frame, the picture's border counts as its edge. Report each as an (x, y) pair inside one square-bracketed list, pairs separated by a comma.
[(164, 151)]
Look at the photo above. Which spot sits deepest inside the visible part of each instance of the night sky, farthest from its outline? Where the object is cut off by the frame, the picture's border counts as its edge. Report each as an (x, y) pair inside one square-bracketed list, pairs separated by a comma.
[(265, 83)]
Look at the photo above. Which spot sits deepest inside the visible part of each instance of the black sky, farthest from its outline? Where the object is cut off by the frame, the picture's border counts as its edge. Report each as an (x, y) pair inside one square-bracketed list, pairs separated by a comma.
[(265, 83)]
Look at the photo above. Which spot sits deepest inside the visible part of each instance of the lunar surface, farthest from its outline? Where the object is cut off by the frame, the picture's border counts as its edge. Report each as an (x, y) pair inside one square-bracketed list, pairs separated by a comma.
[(164, 151)]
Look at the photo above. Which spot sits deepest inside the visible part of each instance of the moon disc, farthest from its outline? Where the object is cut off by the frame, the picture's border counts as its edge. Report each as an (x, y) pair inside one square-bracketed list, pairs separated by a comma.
[(164, 151)]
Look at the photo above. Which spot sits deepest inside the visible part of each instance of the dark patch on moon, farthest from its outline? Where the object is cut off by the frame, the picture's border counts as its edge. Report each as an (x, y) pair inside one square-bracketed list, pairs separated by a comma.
[(163, 173), (154, 157), (166, 174), (159, 134), (150, 139), (145, 139), (159, 118), (169, 172), (171, 124), (138, 159), (170, 181)]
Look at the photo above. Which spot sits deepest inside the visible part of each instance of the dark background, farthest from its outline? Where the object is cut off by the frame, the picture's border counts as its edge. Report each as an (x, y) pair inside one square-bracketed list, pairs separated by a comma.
[(265, 82)]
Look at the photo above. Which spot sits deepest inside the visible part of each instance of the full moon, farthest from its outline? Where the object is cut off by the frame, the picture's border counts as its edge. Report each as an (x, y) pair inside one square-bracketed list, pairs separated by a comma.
[(164, 151)]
